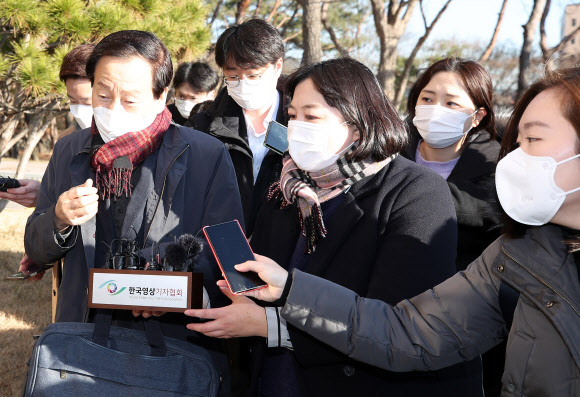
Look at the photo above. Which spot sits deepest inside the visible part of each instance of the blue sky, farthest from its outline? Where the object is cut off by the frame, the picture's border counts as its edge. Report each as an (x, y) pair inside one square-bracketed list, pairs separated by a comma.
[(474, 21)]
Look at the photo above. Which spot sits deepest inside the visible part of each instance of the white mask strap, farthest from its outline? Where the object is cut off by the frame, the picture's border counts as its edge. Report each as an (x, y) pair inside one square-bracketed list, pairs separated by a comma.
[(562, 162), (568, 159)]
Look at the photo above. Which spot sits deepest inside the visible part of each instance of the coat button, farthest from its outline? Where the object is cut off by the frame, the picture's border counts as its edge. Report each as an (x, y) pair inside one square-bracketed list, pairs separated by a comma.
[(549, 304), (86, 290), (500, 268), (511, 388), (348, 370)]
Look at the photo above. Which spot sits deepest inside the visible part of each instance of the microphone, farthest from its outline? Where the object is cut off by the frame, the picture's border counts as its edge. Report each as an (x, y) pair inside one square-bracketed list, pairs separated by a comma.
[(180, 255), (175, 257)]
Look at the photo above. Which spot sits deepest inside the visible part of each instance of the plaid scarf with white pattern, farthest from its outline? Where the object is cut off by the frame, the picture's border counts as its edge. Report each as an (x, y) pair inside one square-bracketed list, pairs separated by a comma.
[(313, 188), (114, 161)]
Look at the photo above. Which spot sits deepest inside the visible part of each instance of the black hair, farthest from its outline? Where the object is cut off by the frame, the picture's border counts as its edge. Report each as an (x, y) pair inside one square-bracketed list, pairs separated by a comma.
[(250, 45), (353, 89), (200, 76), (127, 44)]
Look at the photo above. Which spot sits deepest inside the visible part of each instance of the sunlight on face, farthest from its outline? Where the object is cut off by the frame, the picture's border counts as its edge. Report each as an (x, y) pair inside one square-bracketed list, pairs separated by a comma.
[(544, 131), (79, 91), (187, 93), (127, 84), (446, 89), (310, 106)]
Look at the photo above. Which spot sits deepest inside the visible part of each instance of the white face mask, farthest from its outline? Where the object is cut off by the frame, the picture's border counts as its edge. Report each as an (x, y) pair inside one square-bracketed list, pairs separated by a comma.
[(83, 114), (256, 94), (439, 126), (115, 123), (184, 106), (308, 144), (526, 187)]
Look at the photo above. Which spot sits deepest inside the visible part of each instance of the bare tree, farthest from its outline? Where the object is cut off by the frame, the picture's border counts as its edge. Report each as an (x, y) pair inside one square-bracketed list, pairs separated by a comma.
[(324, 17), (486, 54), (241, 11), (216, 12), (420, 42), (311, 29), (38, 125), (526, 53), (390, 24)]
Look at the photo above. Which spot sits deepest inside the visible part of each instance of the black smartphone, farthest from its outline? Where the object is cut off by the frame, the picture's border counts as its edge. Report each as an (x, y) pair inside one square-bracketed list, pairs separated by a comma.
[(8, 183), (230, 247), (31, 271), (276, 137)]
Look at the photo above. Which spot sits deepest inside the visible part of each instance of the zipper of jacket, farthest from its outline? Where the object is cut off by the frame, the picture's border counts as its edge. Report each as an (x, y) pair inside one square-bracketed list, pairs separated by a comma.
[(161, 194), (541, 280)]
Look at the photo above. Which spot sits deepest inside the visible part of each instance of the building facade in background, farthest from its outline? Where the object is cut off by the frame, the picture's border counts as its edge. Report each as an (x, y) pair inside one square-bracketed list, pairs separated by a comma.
[(571, 23)]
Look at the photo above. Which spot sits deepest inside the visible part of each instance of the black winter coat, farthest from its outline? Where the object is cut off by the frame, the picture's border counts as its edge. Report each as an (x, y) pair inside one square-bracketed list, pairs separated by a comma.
[(225, 120), (175, 115), (472, 186), (387, 240)]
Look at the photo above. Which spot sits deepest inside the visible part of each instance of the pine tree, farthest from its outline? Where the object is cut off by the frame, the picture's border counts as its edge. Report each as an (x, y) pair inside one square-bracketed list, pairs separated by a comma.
[(35, 35)]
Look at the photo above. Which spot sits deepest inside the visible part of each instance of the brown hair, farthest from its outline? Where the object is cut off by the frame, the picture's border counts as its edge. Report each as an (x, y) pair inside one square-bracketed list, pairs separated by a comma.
[(566, 83), (476, 81), (75, 62)]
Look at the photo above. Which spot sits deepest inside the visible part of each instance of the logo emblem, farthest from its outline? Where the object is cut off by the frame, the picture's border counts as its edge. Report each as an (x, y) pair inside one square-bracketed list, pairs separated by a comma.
[(111, 287)]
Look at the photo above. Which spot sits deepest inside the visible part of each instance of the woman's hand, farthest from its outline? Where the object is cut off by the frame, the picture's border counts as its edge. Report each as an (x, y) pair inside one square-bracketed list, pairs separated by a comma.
[(271, 273), (25, 195), (242, 318)]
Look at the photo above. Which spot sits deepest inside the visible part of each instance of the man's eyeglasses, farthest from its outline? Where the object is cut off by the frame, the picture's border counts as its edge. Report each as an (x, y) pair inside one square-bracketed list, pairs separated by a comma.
[(251, 79)]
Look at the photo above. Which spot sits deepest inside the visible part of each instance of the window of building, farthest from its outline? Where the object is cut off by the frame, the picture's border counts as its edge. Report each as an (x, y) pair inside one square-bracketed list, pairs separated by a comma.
[(573, 21), (573, 41)]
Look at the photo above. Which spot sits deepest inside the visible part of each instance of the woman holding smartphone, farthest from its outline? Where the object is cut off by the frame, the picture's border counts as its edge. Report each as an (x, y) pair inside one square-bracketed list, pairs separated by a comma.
[(348, 209), (525, 287)]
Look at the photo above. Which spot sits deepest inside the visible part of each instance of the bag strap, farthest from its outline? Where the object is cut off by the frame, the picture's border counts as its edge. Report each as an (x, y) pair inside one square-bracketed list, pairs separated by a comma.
[(155, 337), (508, 300), (104, 318)]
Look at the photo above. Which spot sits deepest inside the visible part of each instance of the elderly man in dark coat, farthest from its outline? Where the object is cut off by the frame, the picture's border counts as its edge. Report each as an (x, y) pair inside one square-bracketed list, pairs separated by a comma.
[(133, 174)]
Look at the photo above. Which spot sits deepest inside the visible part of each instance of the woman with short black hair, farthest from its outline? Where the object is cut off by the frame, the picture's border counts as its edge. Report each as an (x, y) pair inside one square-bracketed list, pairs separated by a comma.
[(349, 209)]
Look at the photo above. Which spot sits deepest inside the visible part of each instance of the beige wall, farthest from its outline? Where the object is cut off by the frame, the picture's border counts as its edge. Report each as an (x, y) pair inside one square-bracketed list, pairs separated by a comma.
[(571, 22)]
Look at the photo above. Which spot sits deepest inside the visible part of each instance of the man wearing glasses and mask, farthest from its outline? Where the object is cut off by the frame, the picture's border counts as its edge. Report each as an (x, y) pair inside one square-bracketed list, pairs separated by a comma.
[(250, 56)]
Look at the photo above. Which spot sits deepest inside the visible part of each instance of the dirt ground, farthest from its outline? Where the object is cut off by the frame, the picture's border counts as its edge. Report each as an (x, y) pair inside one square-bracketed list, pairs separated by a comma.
[(25, 307)]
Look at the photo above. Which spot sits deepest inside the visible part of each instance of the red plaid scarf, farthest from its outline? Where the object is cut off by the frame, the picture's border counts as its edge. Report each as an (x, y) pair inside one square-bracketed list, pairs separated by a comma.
[(313, 188), (136, 146)]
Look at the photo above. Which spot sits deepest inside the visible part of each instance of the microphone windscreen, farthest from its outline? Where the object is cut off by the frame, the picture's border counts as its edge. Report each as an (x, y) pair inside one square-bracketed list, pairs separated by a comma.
[(192, 245), (175, 255)]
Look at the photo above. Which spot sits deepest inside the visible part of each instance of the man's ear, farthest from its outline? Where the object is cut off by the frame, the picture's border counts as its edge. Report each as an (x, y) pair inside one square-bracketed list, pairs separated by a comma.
[(278, 66), (162, 100)]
